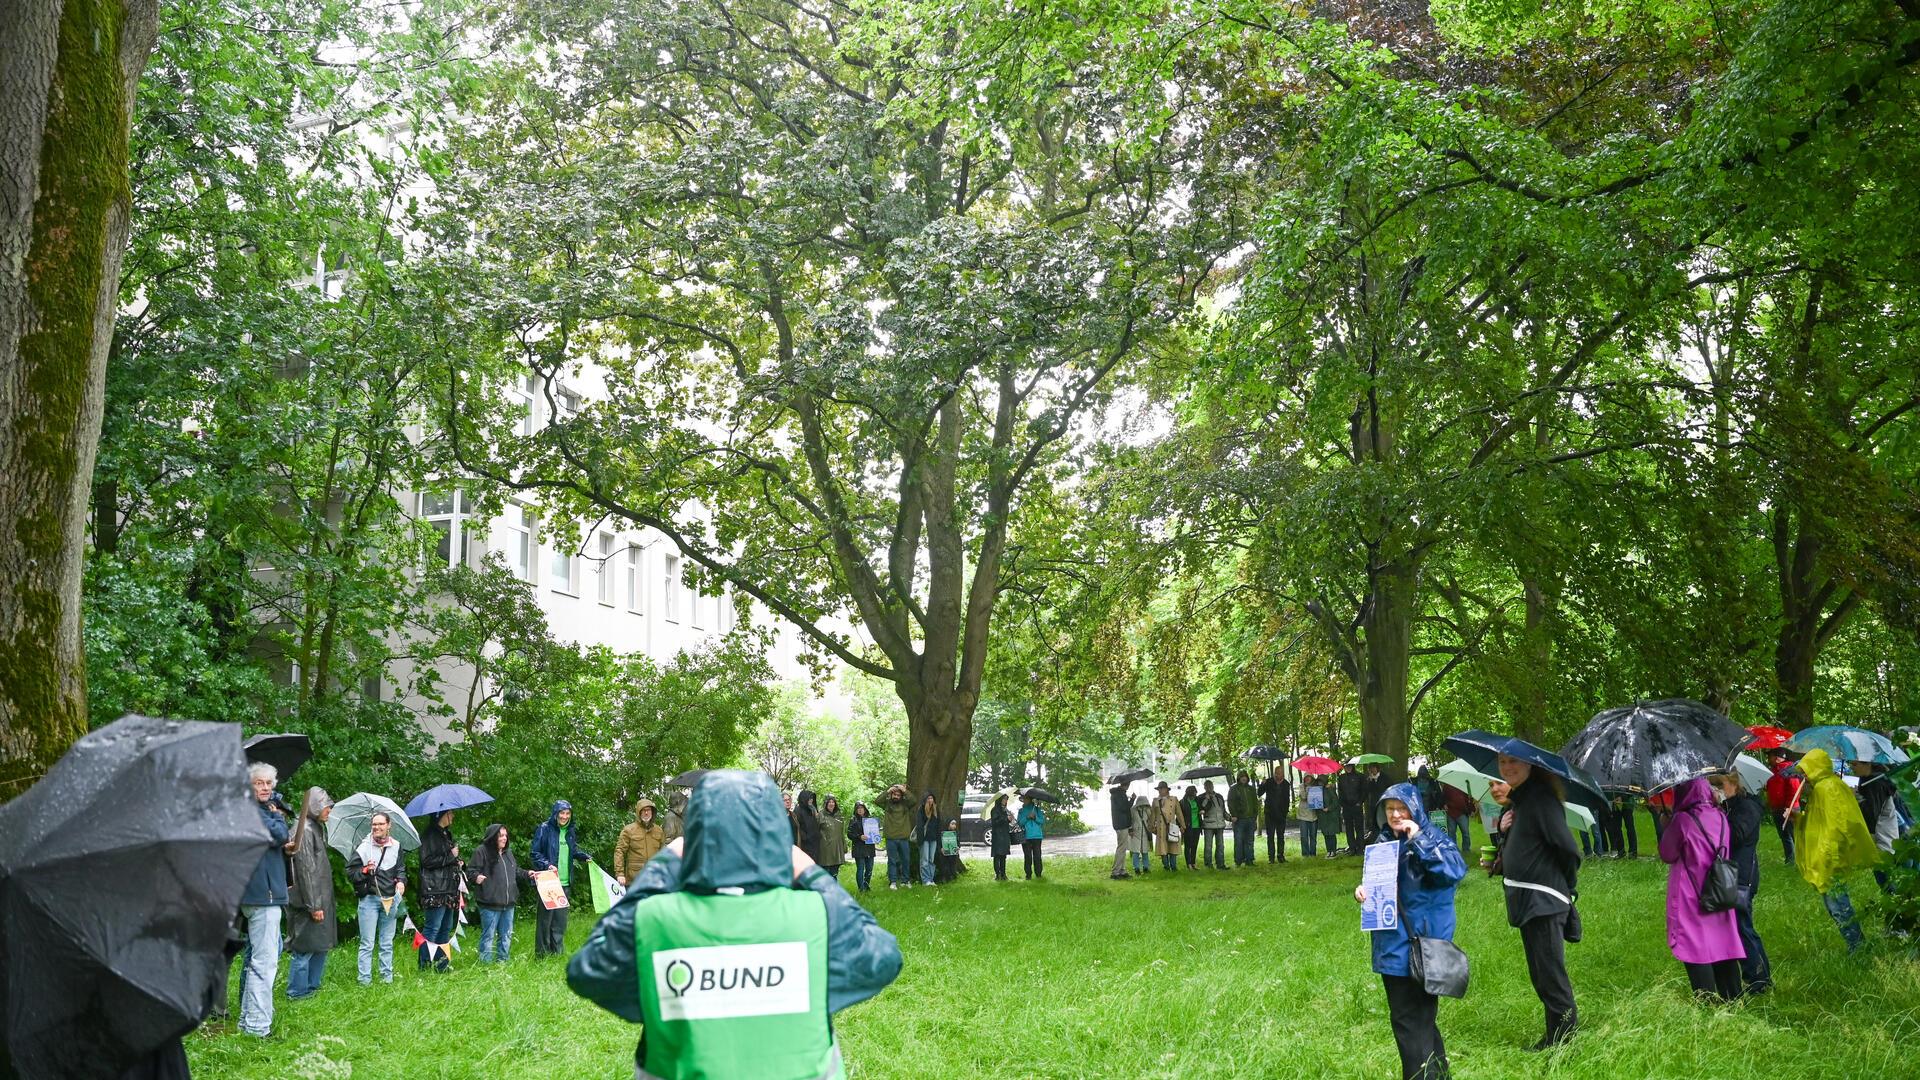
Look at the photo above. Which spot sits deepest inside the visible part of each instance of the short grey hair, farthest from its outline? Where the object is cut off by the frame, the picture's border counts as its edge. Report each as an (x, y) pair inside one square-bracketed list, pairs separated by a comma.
[(260, 770)]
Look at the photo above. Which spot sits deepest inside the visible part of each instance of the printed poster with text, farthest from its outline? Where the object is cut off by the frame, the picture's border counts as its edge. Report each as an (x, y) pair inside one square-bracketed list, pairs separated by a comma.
[(1381, 878)]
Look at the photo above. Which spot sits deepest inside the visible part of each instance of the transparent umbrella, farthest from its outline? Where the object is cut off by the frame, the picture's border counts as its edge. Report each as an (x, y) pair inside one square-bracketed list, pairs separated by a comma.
[(352, 822)]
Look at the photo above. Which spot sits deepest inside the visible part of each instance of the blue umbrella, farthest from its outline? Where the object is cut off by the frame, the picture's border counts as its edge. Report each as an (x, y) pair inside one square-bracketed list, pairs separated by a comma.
[(1482, 750), (1844, 742), (438, 800)]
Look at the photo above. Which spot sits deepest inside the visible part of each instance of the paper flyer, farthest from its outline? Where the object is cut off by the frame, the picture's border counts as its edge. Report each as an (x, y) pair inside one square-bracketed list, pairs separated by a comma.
[(870, 830), (1380, 876)]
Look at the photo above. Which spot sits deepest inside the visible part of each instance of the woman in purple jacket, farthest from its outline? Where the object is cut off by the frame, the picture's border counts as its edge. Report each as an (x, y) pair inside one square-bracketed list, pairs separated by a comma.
[(1707, 943)]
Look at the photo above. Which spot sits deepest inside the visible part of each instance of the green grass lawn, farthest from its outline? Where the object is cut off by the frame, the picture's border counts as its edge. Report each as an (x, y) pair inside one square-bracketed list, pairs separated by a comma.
[(1259, 972)]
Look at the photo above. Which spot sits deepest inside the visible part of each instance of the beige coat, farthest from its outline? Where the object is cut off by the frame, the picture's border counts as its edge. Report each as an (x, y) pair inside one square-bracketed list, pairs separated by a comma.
[(1164, 813), (638, 843)]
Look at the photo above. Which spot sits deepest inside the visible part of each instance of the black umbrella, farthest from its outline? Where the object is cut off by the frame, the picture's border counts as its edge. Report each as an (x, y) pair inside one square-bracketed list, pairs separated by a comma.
[(1656, 744), (286, 753), (1482, 750), (1263, 752), (1040, 794), (120, 872), (1129, 776), (1202, 771), (689, 778)]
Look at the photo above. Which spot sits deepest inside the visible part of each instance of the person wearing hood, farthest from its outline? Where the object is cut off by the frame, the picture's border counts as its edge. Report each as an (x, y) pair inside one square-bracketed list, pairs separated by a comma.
[(310, 901), (496, 876), (1139, 837), (863, 845), (1033, 829), (1831, 840), (1000, 834), (806, 825), (833, 837), (1540, 863), (640, 839), (1745, 818), (554, 848), (732, 949), (1430, 867), (440, 872), (1706, 943), (1243, 808), (896, 828), (1120, 812), (927, 826)]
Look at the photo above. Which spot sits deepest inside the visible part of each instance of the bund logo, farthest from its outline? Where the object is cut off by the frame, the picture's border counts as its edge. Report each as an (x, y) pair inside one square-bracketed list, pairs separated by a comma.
[(722, 981), (679, 977)]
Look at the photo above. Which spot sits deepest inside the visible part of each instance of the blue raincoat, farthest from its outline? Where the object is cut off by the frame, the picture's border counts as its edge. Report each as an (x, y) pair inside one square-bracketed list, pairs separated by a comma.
[(1430, 866)]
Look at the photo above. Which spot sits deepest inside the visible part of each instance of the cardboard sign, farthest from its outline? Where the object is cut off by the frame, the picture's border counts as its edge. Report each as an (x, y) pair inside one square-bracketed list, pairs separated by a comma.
[(547, 883)]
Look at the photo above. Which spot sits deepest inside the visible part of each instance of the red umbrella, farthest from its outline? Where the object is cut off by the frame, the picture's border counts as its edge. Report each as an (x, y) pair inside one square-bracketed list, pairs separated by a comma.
[(1766, 737), (1315, 764)]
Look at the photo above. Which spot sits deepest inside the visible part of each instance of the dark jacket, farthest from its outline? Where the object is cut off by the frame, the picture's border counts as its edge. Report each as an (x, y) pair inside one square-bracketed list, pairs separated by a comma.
[(1243, 802), (833, 837), (1539, 850), (384, 876), (746, 847), (439, 868), (1000, 829), (310, 889), (500, 868), (855, 826), (1120, 808), (268, 885), (1277, 795), (1430, 866), (1745, 815), (927, 830), (1372, 790), (545, 848), (806, 822), (1351, 788)]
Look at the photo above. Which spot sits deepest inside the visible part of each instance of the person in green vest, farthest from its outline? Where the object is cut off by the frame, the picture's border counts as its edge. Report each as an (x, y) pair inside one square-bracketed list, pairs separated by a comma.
[(555, 847), (732, 949)]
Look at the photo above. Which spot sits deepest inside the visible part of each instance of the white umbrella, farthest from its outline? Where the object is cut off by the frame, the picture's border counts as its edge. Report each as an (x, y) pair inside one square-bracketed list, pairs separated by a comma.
[(1753, 773), (1465, 777), (1579, 818), (351, 822)]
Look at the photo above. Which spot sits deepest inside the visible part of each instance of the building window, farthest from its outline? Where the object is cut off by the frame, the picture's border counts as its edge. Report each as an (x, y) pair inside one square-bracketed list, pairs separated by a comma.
[(445, 511), (563, 568), (604, 569), (525, 392), (670, 589), (635, 583), (516, 541)]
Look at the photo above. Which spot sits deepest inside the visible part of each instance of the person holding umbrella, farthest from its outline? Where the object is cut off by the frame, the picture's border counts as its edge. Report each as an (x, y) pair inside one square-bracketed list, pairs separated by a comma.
[(1353, 800), (1744, 818), (1000, 834), (1276, 794), (1541, 863), (376, 869), (1372, 787), (1120, 810), (1707, 943), (1190, 824), (554, 848), (496, 876), (263, 905), (1033, 828), (1781, 789), (1430, 867), (440, 872), (1831, 840), (310, 899)]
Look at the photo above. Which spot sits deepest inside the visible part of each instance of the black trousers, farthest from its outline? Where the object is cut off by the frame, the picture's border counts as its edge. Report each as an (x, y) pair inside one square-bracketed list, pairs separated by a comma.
[(1190, 839), (1623, 834), (1030, 855), (550, 929), (1415, 1015), (1720, 980), (1545, 941), (999, 864), (1276, 839), (1755, 971), (1786, 833), (1352, 817)]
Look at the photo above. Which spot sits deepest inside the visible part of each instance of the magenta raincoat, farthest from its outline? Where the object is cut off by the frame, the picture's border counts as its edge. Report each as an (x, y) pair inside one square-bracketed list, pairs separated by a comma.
[(1698, 832)]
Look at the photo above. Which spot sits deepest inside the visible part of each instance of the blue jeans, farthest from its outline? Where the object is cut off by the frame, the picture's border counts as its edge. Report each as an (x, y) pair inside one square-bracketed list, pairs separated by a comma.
[(863, 871), (899, 862), (304, 972), (929, 860), (1464, 825), (496, 924), (263, 963), (1215, 847), (374, 922), (1840, 906), (1243, 841), (436, 925), (1310, 837)]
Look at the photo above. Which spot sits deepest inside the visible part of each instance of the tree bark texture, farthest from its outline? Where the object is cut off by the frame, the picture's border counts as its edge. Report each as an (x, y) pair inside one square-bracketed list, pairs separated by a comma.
[(67, 78)]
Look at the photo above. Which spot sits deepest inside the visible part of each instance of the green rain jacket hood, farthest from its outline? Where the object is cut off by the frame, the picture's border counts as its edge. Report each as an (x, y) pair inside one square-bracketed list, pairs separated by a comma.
[(737, 835)]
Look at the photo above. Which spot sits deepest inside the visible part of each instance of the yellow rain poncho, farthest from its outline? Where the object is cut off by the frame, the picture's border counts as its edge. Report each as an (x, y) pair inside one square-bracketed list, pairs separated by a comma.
[(1830, 838)]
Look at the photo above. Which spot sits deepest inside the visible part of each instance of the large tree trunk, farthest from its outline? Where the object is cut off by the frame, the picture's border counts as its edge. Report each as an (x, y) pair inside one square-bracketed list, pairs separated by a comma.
[(67, 78), (1386, 723), (939, 736), (1813, 607)]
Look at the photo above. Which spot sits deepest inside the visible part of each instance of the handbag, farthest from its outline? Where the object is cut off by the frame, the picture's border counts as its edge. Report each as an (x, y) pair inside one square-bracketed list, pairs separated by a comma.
[(1438, 966), (1720, 890)]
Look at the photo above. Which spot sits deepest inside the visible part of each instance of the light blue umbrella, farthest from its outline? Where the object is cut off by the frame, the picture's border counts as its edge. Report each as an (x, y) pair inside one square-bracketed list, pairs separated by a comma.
[(1844, 742), (438, 800)]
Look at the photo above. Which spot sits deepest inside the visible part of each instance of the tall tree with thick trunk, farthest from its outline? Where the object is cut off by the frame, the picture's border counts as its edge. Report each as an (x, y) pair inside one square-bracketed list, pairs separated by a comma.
[(67, 78)]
